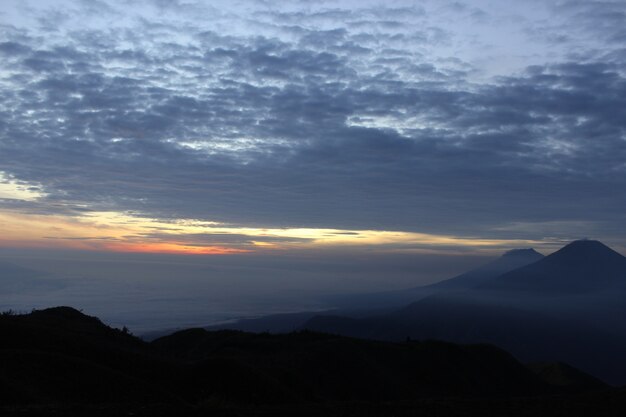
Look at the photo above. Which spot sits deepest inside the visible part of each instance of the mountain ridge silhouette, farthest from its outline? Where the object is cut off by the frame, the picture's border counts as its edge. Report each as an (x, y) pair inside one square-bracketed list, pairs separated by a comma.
[(358, 304), (566, 306), (58, 357), (580, 266)]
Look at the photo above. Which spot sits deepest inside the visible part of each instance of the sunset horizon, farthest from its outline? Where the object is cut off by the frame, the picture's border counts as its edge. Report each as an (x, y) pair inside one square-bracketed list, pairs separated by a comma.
[(278, 208)]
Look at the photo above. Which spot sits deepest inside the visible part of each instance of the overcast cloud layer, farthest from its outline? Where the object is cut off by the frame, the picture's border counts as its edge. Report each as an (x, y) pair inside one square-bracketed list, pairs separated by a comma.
[(466, 118)]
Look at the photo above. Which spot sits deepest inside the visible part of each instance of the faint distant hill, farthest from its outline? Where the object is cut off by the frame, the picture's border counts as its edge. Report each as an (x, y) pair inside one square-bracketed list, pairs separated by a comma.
[(363, 305), (510, 261), (568, 306), (274, 323), (388, 299), (62, 362)]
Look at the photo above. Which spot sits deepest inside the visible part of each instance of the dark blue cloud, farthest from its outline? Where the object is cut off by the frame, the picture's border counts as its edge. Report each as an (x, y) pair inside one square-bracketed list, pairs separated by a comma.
[(322, 128)]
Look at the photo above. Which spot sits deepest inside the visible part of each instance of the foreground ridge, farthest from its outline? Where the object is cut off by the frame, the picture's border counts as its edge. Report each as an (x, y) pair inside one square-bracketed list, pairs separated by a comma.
[(59, 356)]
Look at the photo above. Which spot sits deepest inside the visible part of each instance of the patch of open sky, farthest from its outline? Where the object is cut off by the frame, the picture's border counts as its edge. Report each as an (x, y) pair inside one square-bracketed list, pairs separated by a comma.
[(242, 149), (406, 125), (13, 188)]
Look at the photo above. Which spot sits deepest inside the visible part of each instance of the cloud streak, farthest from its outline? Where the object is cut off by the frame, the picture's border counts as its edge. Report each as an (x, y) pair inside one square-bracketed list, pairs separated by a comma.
[(111, 231)]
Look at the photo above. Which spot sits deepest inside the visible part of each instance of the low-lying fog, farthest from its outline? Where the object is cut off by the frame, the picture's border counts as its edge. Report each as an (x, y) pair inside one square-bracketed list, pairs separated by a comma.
[(152, 292)]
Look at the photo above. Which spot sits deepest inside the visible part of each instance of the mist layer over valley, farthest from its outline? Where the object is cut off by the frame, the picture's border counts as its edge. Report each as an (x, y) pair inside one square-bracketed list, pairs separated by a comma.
[(155, 292)]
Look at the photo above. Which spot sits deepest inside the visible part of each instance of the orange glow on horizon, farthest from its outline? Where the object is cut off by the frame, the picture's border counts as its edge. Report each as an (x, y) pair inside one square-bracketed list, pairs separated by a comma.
[(172, 248), (126, 232), (156, 248)]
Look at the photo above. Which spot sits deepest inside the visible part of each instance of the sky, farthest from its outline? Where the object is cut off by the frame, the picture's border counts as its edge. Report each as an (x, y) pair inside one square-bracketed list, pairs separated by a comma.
[(234, 127), (182, 162)]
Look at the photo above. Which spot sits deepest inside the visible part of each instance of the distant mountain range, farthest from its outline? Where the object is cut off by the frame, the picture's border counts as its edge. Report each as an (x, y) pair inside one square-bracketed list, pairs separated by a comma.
[(59, 361), (583, 267), (569, 306), (510, 261)]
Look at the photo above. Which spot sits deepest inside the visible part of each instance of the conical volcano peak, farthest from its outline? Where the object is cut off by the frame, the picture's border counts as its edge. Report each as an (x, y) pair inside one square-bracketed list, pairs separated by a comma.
[(586, 243), (586, 250), (581, 266), (528, 252)]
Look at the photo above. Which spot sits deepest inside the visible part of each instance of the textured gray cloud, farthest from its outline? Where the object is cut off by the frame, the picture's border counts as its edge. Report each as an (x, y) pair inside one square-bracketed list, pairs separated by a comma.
[(325, 118), (604, 19)]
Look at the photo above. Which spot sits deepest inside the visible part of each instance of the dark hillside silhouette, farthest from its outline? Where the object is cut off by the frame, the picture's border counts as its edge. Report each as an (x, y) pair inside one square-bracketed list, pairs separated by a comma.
[(326, 367), (60, 361), (563, 375)]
